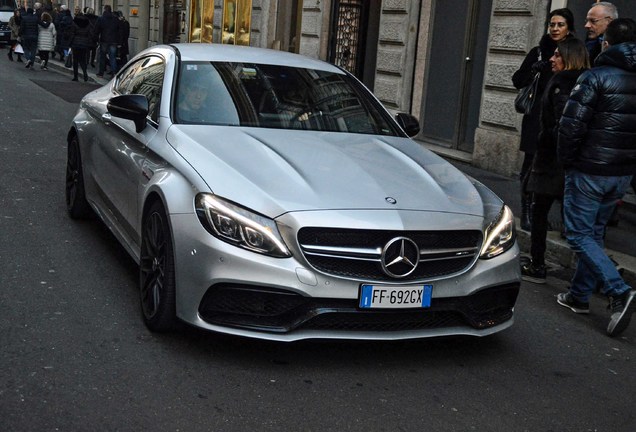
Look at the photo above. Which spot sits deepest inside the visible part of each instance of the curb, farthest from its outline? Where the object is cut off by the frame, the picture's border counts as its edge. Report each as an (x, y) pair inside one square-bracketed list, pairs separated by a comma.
[(559, 254)]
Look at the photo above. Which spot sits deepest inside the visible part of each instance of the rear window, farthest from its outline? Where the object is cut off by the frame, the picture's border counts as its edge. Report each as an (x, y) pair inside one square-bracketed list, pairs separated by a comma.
[(273, 96)]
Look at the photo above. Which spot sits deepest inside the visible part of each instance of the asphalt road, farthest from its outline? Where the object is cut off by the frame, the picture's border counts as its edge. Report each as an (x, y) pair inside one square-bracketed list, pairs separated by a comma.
[(76, 355)]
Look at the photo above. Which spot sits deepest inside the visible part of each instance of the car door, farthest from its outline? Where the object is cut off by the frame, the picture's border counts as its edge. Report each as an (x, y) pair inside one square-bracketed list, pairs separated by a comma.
[(119, 152)]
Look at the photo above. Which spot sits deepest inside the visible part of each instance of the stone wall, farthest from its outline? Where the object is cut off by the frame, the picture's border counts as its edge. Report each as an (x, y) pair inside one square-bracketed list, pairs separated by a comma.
[(516, 27), (396, 53)]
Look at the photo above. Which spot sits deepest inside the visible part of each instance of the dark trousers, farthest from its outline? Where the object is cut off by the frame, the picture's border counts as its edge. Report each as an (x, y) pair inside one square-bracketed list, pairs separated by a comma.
[(79, 58), (44, 56), (541, 206)]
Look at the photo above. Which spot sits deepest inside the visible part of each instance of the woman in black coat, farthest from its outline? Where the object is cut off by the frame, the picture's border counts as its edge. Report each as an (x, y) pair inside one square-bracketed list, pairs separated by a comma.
[(561, 27), (80, 41), (546, 177)]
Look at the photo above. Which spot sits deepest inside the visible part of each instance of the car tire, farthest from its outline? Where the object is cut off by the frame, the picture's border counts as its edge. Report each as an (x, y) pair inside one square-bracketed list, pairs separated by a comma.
[(156, 271), (76, 203)]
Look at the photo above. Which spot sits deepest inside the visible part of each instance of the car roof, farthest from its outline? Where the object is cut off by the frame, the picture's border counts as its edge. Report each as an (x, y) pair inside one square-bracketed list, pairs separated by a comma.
[(234, 53)]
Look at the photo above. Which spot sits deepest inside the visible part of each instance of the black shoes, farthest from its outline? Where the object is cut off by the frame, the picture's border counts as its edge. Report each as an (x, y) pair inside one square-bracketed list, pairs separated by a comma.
[(622, 308), (10, 55), (532, 273), (567, 300), (74, 79)]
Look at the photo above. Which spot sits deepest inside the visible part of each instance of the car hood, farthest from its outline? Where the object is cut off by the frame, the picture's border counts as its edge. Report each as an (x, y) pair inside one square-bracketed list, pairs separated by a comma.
[(276, 171)]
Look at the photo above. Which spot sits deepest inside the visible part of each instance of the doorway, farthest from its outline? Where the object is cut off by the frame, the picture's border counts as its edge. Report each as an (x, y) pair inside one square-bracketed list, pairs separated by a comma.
[(354, 37), (450, 108)]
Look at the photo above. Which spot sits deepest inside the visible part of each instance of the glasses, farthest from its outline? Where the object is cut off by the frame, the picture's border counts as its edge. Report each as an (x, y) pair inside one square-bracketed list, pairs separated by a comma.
[(557, 24), (593, 21)]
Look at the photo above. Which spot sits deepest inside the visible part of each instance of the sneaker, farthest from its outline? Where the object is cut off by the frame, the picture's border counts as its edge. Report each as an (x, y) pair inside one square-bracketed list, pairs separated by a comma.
[(532, 273), (622, 307), (567, 300), (45, 68)]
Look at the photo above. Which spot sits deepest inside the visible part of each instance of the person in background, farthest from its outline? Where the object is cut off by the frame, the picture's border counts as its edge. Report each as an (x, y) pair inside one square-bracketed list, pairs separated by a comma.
[(124, 27), (560, 27), (29, 36), (597, 147), (81, 40), (38, 10), (108, 34), (46, 39), (65, 27), (92, 19), (596, 21), (546, 176), (14, 25)]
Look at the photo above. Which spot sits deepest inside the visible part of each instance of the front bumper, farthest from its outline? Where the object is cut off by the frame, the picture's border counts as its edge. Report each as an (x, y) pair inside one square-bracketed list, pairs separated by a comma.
[(230, 290)]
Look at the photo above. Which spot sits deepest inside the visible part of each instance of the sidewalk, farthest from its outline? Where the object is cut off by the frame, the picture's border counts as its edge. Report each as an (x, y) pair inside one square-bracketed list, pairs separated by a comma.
[(620, 241), (58, 65)]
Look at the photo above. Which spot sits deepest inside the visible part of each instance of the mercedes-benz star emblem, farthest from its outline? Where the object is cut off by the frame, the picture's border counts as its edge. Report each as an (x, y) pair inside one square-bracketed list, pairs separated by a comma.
[(400, 257)]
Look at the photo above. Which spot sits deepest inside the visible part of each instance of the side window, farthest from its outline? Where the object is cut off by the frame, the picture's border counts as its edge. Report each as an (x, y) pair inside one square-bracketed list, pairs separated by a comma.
[(144, 77)]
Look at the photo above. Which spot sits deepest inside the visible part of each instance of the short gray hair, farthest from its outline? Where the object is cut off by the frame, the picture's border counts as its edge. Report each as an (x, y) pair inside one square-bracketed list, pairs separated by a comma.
[(610, 9)]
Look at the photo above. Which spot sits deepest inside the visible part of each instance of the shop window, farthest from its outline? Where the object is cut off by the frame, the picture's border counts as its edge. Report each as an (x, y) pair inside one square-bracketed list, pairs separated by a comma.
[(201, 17), (237, 22)]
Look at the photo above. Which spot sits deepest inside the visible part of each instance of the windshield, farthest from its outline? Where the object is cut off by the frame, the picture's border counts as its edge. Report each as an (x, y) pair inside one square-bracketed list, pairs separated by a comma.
[(273, 96), (7, 5)]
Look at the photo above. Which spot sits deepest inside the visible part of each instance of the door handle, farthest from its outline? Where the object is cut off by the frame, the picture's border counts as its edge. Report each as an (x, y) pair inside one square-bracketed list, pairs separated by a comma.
[(106, 118)]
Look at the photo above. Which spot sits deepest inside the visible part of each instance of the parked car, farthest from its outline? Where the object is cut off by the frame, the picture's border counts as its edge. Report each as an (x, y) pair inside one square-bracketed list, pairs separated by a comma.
[(271, 195)]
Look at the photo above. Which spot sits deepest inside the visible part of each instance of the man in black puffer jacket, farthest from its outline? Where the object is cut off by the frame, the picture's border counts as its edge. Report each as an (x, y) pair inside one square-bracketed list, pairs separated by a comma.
[(108, 34), (29, 36), (597, 147)]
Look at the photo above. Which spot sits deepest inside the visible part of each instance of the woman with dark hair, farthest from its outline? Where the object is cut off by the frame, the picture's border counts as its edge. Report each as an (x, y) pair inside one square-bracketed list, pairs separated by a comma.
[(560, 27), (14, 25), (546, 177)]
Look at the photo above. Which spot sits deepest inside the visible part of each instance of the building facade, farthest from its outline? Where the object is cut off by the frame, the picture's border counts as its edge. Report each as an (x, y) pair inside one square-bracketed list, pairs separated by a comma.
[(448, 62)]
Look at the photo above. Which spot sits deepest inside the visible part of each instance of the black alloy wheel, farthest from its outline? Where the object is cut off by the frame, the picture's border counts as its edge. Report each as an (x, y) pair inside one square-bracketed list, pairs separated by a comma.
[(156, 271), (76, 203)]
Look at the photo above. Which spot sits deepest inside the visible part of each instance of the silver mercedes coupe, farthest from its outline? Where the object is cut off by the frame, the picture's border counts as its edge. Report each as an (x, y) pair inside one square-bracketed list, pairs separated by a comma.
[(271, 195)]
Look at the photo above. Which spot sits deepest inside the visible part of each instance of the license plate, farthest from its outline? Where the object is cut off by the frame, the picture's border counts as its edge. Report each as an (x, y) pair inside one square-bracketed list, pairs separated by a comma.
[(398, 297)]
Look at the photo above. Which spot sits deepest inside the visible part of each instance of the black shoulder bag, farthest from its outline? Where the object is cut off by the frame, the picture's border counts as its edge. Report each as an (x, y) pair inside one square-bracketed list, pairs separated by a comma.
[(526, 97)]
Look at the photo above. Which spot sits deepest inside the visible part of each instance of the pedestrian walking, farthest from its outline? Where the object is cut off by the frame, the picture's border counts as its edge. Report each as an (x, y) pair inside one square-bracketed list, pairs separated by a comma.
[(29, 36), (65, 28), (560, 27), (597, 147), (46, 39), (108, 34), (546, 177), (14, 25), (80, 44), (122, 51), (92, 19)]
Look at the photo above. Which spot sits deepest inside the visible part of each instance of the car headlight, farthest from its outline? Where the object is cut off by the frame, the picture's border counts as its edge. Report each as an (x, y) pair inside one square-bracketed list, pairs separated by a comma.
[(239, 226), (499, 235)]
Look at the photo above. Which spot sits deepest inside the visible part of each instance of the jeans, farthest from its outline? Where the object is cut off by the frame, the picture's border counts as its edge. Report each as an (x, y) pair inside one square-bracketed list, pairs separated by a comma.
[(30, 46), (587, 205), (111, 51)]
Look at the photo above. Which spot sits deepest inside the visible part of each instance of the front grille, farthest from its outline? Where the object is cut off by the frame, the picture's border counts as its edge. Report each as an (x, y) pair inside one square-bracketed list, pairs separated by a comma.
[(278, 311), (357, 254)]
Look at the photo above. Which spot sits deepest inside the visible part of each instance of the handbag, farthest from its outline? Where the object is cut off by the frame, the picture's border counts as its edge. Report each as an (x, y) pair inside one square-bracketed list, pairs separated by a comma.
[(527, 95), (18, 49)]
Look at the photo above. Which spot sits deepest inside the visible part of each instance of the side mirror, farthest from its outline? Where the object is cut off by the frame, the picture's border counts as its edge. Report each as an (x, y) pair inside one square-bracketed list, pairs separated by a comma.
[(131, 107), (408, 123)]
